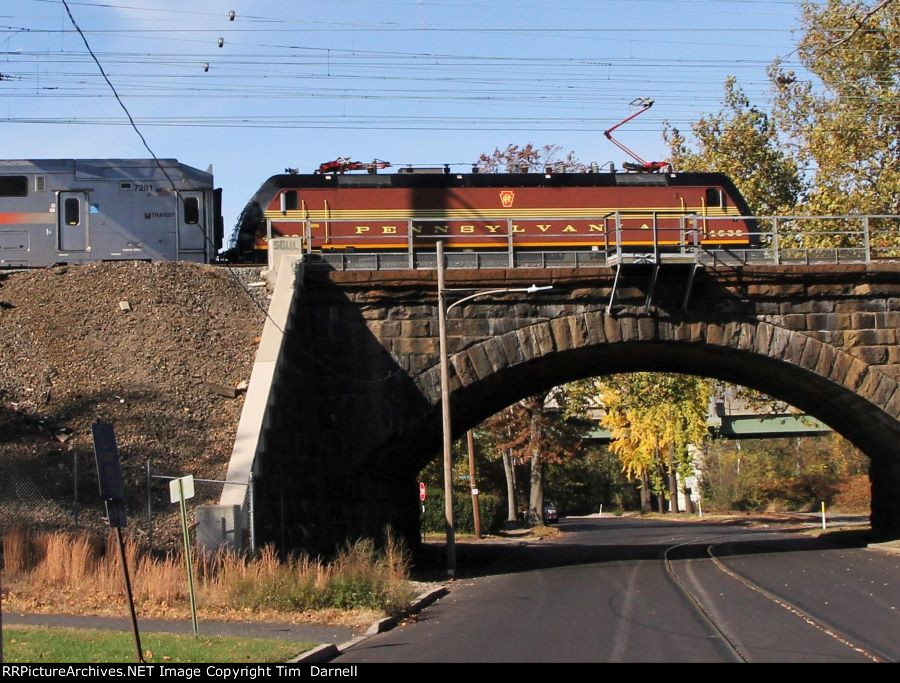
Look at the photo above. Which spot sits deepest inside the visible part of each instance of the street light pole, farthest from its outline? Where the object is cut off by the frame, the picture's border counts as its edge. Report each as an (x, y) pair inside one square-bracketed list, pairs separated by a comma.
[(443, 309), (445, 416)]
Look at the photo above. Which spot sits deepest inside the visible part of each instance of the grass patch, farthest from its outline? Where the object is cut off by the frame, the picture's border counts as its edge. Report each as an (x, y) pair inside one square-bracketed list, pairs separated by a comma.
[(855, 537), (37, 644)]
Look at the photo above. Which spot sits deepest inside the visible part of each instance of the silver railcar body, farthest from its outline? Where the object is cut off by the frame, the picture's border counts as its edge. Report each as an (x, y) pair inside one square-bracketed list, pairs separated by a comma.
[(80, 210)]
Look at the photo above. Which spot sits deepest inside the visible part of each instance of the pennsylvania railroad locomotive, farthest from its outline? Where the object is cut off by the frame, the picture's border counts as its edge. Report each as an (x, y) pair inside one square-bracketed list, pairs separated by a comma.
[(335, 211)]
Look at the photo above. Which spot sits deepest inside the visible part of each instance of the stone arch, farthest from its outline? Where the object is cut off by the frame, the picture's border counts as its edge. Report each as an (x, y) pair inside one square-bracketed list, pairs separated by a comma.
[(593, 330), (858, 401)]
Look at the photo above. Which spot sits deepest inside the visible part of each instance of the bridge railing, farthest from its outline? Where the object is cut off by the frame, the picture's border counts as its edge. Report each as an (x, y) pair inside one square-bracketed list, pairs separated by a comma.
[(797, 240), (763, 240)]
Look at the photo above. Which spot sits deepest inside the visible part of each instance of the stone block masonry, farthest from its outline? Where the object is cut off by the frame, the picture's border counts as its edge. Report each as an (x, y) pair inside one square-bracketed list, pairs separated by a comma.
[(362, 404)]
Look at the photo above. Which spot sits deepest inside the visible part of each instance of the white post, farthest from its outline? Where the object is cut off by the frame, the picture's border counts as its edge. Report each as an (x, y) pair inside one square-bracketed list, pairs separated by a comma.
[(189, 565)]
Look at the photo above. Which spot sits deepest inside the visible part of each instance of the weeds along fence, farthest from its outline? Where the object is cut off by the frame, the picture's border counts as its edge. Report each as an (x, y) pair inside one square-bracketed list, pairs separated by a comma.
[(63, 495), (87, 567), (216, 525)]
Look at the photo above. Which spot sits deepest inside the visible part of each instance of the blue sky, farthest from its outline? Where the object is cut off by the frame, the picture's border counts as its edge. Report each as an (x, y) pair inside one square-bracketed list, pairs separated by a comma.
[(409, 81)]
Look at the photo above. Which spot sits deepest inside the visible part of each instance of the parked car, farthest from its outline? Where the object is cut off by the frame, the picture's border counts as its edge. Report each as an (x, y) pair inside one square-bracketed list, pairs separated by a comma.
[(551, 513)]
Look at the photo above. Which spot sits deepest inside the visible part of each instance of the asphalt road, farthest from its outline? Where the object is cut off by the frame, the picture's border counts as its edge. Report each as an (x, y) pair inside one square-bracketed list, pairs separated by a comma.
[(604, 592)]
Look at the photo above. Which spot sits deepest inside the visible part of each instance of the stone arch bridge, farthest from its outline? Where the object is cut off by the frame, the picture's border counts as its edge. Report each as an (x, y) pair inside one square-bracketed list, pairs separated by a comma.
[(354, 412)]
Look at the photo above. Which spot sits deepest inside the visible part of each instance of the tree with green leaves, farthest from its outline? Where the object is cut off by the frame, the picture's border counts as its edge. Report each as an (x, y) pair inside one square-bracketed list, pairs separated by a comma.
[(831, 143), (843, 120), (535, 431), (787, 473), (742, 142)]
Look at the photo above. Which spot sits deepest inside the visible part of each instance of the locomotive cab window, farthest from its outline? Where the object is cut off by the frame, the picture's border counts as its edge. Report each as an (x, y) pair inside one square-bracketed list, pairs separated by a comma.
[(715, 198), (289, 200), (14, 186), (72, 211), (191, 210)]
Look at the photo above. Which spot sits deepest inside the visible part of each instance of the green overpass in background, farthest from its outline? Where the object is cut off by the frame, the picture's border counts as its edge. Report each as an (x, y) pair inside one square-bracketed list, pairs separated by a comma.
[(749, 427)]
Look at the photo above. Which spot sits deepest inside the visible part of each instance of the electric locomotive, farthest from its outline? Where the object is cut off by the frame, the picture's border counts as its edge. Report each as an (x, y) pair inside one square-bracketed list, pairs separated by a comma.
[(334, 211)]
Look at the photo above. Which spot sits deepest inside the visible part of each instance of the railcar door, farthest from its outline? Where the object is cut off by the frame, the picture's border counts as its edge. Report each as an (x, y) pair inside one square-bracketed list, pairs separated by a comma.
[(73, 212), (192, 227)]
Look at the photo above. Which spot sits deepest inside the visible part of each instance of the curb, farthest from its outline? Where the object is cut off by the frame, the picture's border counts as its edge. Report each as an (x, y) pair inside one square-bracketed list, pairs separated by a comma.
[(318, 655), (887, 546), (350, 643), (328, 651), (416, 605)]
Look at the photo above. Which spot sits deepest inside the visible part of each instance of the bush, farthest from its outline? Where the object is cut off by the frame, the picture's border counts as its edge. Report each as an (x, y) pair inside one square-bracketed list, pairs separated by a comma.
[(359, 577), (491, 507)]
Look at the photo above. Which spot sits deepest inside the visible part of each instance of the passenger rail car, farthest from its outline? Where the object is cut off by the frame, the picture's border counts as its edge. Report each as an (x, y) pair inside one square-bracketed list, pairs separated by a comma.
[(484, 211), (79, 210)]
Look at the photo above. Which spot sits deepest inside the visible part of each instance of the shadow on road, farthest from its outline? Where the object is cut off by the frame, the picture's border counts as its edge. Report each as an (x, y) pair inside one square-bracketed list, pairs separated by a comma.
[(587, 541)]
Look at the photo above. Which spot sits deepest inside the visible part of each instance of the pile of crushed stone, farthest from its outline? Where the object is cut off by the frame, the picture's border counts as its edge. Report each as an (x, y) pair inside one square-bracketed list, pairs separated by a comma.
[(136, 344)]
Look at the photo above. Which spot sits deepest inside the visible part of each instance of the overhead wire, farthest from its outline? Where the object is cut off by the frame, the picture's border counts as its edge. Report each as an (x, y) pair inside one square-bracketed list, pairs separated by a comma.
[(229, 269), (393, 66)]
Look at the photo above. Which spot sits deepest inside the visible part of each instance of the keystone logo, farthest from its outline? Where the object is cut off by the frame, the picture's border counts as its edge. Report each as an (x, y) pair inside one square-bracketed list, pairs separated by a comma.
[(506, 198)]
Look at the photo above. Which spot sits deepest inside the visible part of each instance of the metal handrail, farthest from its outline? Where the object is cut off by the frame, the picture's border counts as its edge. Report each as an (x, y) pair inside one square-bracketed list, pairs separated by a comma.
[(852, 238)]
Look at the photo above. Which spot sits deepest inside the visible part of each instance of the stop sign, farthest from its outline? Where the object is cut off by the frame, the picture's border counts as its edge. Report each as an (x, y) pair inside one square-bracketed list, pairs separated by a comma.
[(422, 491)]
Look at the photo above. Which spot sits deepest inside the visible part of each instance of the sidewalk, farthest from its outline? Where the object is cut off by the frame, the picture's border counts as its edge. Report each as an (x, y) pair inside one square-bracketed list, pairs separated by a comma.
[(314, 633), (330, 640)]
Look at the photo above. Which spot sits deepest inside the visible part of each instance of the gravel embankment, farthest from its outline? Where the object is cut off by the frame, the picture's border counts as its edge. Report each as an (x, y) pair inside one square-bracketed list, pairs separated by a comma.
[(129, 343)]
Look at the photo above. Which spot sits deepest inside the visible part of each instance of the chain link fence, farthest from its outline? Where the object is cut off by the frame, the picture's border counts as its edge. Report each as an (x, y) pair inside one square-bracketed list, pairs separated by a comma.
[(216, 525), (58, 494), (63, 495)]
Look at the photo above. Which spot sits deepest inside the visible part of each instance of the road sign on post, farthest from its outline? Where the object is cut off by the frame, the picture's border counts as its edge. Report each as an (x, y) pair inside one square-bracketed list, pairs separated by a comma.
[(181, 489), (422, 491), (112, 491), (109, 472)]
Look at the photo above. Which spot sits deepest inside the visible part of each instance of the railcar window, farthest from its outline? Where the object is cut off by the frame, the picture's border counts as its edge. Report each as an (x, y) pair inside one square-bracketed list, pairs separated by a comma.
[(289, 200), (714, 197), (72, 209), (191, 210), (13, 186)]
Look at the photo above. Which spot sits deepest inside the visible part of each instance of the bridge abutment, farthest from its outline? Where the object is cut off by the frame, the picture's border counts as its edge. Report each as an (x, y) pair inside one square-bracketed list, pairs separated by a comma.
[(355, 413)]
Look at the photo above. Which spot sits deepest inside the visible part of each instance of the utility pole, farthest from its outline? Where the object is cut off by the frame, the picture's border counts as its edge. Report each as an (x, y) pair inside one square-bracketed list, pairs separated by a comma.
[(476, 513)]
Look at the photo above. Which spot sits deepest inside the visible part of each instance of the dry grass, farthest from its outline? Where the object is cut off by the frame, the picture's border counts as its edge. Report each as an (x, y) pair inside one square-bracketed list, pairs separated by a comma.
[(544, 531), (67, 572), (16, 552)]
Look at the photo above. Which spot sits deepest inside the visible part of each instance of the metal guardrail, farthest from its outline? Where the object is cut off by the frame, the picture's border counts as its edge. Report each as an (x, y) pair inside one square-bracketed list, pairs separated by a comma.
[(777, 240)]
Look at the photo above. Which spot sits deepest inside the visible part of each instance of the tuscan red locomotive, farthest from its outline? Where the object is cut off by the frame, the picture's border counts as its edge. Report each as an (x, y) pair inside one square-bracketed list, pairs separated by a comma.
[(334, 211)]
